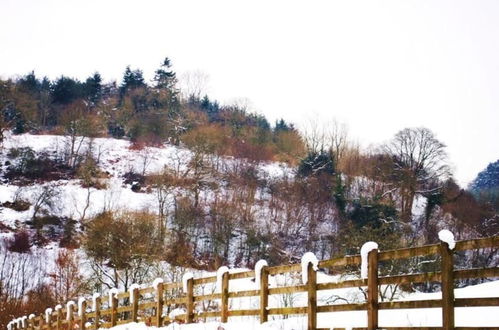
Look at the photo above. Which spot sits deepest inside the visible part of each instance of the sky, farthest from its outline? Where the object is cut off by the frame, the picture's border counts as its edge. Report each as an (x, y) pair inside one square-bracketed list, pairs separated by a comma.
[(377, 66)]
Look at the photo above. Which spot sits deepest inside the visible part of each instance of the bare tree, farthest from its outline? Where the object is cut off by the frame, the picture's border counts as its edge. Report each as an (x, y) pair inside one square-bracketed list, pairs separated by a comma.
[(45, 198), (419, 160), (193, 84)]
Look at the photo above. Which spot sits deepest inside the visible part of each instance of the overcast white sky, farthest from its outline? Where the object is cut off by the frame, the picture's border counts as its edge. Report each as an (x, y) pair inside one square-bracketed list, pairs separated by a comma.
[(378, 66)]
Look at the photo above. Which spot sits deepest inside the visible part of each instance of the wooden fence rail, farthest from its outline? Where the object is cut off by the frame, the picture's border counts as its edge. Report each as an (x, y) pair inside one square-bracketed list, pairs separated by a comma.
[(149, 304)]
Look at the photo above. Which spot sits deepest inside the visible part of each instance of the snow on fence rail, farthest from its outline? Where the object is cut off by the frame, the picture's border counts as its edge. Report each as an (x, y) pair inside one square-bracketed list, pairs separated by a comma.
[(149, 304)]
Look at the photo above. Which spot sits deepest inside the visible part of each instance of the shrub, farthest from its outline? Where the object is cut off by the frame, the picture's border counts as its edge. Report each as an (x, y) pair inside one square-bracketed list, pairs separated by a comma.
[(21, 242), (317, 163), (17, 205)]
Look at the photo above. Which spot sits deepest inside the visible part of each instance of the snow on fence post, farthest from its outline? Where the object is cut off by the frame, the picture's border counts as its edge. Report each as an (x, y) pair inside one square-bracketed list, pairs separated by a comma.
[(189, 317), (225, 297), (158, 283), (264, 294), (447, 286), (372, 289), (312, 296)]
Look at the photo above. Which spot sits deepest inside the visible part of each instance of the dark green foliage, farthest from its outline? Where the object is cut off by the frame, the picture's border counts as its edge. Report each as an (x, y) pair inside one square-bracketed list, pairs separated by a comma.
[(487, 179), (66, 90), (433, 199), (132, 79), (372, 214), (486, 185), (316, 164), (28, 165), (93, 88), (282, 126), (29, 83), (211, 108), (15, 118), (68, 239), (339, 194), (17, 205), (164, 77), (116, 130)]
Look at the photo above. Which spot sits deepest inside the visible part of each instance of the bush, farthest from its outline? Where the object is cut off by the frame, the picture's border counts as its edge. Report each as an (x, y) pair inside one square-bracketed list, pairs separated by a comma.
[(89, 173), (29, 165), (317, 163), (17, 205), (20, 243)]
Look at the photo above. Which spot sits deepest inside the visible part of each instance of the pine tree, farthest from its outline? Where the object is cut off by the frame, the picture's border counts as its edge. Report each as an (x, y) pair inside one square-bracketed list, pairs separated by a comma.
[(164, 77), (65, 90), (132, 79), (93, 88)]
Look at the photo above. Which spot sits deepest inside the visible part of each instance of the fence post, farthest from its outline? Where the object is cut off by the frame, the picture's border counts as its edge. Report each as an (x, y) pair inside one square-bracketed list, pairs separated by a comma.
[(83, 316), (189, 317), (159, 305), (372, 290), (135, 305), (264, 294), (312, 297), (97, 312), (225, 297), (114, 310), (69, 316), (49, 321), (447, 286), (59, 318), (42, 319)]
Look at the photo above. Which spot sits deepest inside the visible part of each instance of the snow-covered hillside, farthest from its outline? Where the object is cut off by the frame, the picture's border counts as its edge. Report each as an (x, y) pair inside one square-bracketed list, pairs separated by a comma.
[(115, 157)]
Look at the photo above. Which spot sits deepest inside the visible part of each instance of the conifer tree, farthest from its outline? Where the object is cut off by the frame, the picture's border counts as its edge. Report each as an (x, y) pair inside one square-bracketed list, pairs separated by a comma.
[(164, 77), (93, 88), (132, 79)]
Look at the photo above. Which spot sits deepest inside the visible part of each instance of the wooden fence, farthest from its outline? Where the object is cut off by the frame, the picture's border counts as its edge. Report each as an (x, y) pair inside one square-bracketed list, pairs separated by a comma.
[(149, 304)]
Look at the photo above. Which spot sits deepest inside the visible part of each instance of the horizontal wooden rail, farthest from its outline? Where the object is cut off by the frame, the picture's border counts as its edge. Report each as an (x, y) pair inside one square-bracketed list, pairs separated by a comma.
[(343, 284), (409, 252), (476, 273), (413, 278), (240, 294), (149, 303), (342, 308), (410, 304), (480, 243), (477, 302)]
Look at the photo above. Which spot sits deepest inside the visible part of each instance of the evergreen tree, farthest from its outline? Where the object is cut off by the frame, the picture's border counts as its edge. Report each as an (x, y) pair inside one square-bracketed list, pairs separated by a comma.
[(65, 90), (283, 126), (317, 163), (93, 88), (487, 179), (29, 83), (132, 79), (164, 77)]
